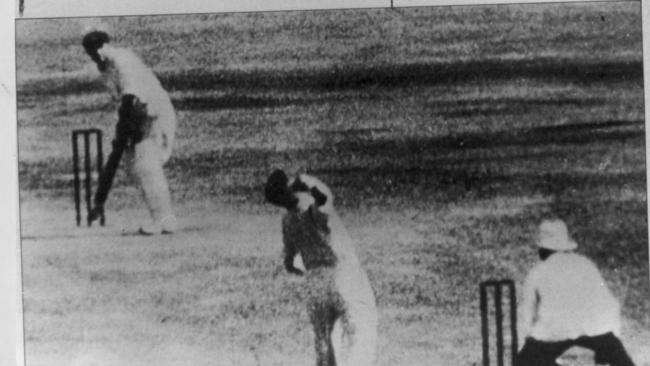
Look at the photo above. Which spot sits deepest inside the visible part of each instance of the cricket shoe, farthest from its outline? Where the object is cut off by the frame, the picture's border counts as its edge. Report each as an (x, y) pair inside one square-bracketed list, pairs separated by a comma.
[(166, 226)]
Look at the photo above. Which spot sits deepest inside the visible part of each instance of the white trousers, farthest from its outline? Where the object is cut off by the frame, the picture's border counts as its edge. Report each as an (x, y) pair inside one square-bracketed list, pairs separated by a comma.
[(145, 163)]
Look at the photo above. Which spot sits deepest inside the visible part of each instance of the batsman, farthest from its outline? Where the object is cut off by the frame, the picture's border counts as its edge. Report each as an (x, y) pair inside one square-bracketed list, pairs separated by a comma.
[(144, 133)]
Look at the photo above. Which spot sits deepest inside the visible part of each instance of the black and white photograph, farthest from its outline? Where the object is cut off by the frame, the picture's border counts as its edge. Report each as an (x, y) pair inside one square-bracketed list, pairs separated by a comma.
[(379, 186)]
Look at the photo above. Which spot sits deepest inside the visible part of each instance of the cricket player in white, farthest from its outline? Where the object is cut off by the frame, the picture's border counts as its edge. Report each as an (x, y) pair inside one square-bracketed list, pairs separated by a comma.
[(144, 131), (566, 303)]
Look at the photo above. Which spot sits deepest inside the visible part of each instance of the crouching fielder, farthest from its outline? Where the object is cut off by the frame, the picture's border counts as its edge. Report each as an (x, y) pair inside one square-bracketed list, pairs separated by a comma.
[(144, 131), (566, 303), (340, 301)]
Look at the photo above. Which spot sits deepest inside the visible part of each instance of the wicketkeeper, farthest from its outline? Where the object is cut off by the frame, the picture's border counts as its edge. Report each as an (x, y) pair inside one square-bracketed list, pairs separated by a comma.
[(144, 133), (566, 303)]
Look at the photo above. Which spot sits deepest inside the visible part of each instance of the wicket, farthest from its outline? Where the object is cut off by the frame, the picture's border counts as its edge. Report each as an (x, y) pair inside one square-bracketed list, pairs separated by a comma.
[(86, 133), (497, 287)]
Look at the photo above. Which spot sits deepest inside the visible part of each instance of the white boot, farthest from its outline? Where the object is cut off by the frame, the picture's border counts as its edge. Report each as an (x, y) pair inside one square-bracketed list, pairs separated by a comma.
[(166, 226), (150, 229)]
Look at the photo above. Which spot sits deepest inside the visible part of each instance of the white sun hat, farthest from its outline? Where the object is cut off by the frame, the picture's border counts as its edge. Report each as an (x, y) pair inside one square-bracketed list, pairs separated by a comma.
[(554, 235)]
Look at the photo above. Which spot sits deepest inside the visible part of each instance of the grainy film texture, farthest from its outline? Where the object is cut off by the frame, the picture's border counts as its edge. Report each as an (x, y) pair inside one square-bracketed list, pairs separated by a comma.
[(445, 134)]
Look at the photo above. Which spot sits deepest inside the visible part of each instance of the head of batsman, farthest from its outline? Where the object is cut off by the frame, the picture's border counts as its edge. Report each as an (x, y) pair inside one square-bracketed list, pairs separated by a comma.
[(92, 42)]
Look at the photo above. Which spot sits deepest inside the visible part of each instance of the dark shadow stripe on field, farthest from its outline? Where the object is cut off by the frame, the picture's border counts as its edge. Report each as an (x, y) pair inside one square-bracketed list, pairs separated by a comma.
[(360, 76), (443, 184), (356, 150), (503, 106), (85, 109), (447, 109), (351, 77), (578, 133), (57, 85), (234, 101)]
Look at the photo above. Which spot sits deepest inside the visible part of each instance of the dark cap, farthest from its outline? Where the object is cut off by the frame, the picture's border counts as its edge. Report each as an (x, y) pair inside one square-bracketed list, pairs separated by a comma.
[(94, 41)]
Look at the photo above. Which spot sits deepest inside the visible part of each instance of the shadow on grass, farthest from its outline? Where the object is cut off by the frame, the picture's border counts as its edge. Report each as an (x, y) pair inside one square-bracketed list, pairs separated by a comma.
[(234, 102), (358, 76), (447, 109), (444, 168), (361, 76), (503, 106), (578, 133), (448, 167)]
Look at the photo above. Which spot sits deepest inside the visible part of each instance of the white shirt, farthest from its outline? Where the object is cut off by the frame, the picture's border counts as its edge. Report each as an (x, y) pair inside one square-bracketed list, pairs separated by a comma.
[(125, 73), (565, 297)]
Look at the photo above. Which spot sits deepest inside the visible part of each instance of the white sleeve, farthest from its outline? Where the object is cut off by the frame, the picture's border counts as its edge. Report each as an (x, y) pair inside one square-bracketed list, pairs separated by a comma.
[(527, 306), (111, 75), (112, 87)]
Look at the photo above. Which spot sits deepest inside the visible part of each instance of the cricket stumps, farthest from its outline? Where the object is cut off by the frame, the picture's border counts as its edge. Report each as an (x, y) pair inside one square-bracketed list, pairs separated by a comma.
[(86, 135)]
